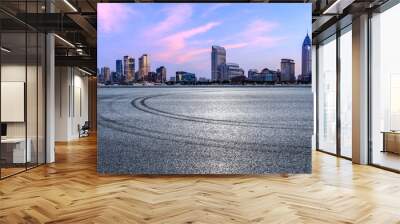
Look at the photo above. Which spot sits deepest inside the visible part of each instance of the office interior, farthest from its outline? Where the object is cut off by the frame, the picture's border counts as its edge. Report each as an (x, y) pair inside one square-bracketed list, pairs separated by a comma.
[(47, 93), (48, 79), (357, 83)]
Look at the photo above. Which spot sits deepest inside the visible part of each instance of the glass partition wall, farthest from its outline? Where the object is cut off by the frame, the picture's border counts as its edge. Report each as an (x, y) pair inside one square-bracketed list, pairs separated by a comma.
[(385, 89), (334, 84), (327, 95), (345, 91), (22, 77), (334, 107)]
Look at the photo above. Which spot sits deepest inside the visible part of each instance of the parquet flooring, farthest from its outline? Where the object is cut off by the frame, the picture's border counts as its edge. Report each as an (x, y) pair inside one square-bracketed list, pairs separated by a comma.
[(70, 191)]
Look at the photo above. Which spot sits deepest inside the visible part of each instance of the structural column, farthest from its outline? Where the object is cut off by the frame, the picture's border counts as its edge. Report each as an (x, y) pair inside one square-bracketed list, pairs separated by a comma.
[(360, 89), (50, 92)]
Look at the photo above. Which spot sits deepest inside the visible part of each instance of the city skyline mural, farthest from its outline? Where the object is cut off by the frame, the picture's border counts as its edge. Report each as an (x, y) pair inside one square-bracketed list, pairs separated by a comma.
[(204, 88), (180, 36)]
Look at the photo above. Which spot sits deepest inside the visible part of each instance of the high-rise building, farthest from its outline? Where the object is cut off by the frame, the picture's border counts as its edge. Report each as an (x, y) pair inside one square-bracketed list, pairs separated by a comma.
[(137, 77), (144, 67), (287, 70), (152, 77), (101, 75), (119, 68), (126, 66), (161, 74), (114, 77), (218, 58), (306, 59), (229, 71), (129, 68), (185, 77), (106, 74)]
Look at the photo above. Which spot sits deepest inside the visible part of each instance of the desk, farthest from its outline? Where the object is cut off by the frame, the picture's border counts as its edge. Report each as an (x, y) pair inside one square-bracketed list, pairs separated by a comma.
[(19, 155), (391, 141)]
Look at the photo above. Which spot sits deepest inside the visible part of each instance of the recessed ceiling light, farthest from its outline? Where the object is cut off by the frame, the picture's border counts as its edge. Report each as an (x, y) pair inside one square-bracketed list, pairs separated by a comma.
[(86, 72), (5, 50), (338, 6), (70, 5), (64, 40)]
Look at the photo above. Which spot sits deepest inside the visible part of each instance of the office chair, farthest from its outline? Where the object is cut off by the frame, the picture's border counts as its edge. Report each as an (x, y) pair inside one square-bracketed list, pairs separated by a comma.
[(84, 130)]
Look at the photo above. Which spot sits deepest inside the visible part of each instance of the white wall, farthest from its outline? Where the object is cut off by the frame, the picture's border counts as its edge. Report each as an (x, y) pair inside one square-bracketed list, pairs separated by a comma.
[(33, 126), (71, 102)]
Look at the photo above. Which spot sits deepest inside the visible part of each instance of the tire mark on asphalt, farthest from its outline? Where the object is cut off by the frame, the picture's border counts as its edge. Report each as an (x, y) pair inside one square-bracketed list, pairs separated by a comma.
[(280, 150), (110, 123), (141, 102), (144, 104)]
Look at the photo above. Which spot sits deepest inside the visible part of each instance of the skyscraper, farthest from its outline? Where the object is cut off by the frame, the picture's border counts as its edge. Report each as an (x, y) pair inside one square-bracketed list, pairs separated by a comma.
[(144, 67), (114, 78), (161, 74), (218, 57), (229, 71), (126, 67), (101, 75), (119, 69), (287, 70), (106, 74), (306, 59), (129, 68)]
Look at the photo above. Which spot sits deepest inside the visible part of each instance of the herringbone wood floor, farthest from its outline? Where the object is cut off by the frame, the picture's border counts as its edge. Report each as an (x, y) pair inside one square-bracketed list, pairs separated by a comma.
[(70, 191)]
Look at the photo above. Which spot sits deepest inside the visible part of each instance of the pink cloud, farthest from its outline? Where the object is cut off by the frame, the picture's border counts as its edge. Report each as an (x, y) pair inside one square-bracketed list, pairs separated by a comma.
[(236, 45), (111, 16), (186, 57), (183, 35), (260, 26), (176, 44), (257, 33), (176, 16)]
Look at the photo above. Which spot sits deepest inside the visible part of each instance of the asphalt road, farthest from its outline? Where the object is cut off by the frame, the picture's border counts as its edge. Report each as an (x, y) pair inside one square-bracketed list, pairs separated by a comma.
[(204, 130)]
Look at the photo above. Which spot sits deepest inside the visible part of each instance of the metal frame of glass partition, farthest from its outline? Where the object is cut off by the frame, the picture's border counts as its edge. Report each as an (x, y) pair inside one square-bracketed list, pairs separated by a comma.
[(337, 31), (40, 37)]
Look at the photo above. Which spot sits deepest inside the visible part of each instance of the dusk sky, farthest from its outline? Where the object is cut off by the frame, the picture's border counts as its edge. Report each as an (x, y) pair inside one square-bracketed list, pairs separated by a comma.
[(180, 36)]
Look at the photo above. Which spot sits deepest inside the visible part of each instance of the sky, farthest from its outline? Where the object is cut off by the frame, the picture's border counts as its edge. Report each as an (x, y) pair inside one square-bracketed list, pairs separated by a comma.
[(179, 36)]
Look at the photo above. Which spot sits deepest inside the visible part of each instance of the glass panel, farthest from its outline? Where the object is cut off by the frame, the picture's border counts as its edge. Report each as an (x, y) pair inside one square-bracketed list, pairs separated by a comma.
[(314, 89), (41, 98), (22, 88), (385, 84), (32, 88), (31, 99), (13, 87), (346, 93), (327, 96)]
